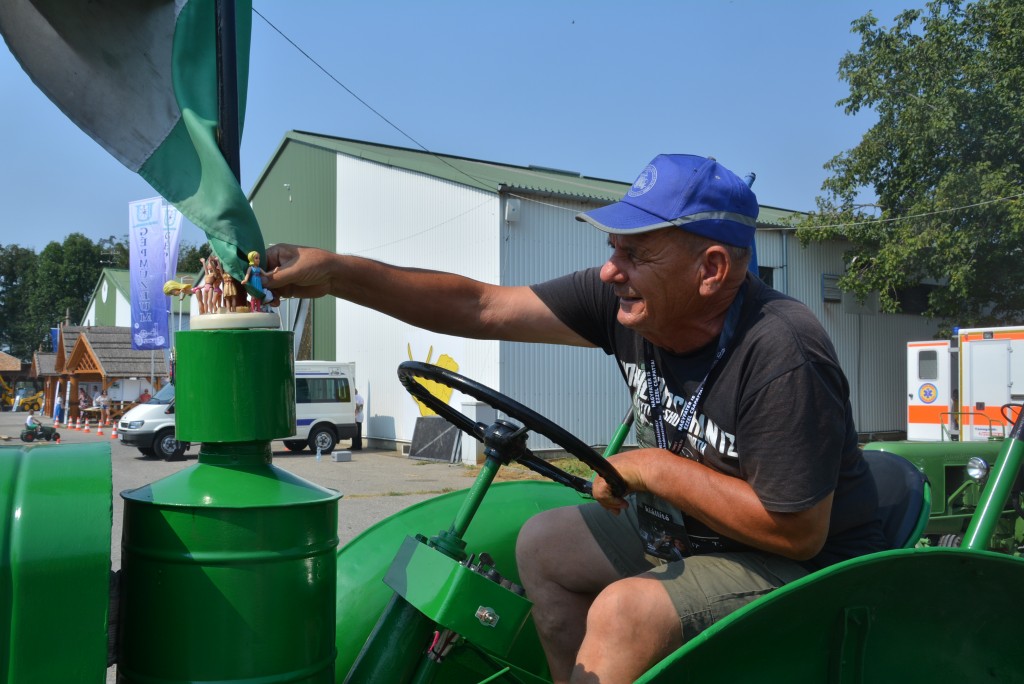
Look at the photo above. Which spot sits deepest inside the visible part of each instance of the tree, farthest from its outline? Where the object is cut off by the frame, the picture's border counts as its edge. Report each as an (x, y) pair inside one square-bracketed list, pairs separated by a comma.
[(17, 277), (189, 254), (66, 275), (945, 161)]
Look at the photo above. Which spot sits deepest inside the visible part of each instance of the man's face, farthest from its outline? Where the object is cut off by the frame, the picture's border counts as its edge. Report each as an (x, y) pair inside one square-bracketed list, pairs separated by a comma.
[(657, 279)]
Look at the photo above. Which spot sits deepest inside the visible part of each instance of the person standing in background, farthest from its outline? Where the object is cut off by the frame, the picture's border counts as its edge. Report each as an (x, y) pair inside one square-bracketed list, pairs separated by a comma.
[(357, 441)]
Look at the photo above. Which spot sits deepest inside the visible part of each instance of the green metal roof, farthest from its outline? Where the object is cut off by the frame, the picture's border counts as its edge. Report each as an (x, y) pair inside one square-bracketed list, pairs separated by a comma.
[(485, 175)]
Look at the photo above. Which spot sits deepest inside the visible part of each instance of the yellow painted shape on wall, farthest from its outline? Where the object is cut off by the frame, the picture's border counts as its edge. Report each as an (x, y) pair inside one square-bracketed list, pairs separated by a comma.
[(442, 392)]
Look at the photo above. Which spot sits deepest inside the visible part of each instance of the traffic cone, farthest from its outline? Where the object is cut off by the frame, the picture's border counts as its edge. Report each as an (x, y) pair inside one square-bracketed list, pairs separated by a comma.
[(78, 425), (86, 430), (113, 433), (99, 428)]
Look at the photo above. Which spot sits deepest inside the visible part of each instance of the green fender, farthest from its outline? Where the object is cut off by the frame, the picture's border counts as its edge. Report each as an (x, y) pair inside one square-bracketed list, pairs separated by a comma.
[(910, 615), (362, 563), (54, 562)]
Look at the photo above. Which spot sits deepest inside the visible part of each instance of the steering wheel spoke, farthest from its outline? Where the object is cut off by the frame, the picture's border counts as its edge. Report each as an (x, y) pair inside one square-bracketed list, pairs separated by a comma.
[(410, 370)]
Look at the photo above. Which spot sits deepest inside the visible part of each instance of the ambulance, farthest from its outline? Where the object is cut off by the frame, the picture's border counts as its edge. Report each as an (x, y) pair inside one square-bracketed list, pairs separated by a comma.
[(957, 388)]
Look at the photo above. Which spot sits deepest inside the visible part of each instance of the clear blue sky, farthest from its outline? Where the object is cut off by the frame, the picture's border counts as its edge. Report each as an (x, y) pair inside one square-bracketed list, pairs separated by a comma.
[(595, 87)]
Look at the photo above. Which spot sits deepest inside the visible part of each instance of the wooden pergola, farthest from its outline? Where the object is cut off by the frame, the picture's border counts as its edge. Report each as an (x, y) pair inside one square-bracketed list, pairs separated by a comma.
[(103, 355)]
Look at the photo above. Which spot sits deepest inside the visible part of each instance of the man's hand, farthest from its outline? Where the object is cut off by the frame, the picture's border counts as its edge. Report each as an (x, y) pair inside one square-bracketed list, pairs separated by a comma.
[(630, 468), (294, 271)]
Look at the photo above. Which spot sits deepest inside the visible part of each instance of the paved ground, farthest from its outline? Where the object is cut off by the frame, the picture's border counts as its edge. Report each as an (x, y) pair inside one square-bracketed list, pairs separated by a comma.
[(374, 485)]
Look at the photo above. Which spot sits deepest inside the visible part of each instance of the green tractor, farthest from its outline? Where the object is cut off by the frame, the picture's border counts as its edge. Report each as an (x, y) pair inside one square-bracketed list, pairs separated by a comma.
[(230, 570)]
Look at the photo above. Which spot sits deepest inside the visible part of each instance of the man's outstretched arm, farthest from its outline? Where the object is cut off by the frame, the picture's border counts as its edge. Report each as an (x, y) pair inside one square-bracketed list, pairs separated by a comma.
[(434, 300)]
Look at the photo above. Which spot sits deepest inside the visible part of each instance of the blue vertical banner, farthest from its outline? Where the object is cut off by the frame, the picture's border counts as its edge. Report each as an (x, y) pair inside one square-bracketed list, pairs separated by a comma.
[(148, 272), (171, 236)]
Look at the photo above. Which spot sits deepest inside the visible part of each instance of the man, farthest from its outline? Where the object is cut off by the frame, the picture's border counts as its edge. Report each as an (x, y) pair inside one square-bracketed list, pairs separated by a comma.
[(357, 443), (750, 475)]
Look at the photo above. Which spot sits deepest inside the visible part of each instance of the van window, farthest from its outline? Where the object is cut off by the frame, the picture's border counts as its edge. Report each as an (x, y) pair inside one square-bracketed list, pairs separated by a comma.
[(928, 365), (164, 396), (322, 390)]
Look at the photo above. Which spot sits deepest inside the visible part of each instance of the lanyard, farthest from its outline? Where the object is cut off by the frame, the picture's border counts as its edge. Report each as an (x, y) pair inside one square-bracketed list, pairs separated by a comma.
[(654, 379)]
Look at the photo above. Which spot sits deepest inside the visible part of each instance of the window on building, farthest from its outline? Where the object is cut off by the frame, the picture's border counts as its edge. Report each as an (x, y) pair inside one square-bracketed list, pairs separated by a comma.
[(830, 291), (914, 300)]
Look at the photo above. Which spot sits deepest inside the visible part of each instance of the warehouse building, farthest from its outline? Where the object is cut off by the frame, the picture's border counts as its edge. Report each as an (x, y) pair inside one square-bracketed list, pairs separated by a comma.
[(515, 225)]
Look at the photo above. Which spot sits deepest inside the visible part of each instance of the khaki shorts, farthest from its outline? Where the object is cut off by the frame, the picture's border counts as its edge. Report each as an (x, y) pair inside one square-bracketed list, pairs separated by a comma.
[(703, 588)]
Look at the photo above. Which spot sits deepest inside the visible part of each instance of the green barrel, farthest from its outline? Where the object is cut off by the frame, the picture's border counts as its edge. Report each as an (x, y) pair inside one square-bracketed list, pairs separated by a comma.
[(234, 385), (54, 562), (228, 566)]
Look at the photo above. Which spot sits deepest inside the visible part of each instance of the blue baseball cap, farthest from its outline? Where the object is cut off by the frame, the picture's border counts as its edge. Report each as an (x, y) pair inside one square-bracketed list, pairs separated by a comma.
[(690, 192)]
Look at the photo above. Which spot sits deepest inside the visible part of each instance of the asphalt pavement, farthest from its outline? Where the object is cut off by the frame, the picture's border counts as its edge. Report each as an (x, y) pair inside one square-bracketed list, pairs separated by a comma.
[(374, 484)]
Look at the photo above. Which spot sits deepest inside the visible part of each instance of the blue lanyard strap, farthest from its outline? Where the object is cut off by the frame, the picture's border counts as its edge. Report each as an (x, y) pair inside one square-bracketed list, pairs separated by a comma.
[(654, 379)]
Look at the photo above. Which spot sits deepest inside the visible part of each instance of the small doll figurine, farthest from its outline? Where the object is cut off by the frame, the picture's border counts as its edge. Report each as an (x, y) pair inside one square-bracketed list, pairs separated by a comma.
[(254, 276), (210, 289), (228, 292)]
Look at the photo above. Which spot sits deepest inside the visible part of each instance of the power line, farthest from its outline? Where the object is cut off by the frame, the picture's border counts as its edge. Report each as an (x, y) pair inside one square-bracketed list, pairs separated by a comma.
[(366, 104), (1009, 198)]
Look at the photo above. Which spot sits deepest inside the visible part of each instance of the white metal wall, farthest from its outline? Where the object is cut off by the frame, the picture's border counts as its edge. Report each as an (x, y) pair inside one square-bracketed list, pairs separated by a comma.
[(410, 219)]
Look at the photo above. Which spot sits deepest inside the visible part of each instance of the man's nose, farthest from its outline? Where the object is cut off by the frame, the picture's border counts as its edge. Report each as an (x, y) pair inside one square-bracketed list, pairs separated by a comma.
[(611, 273)]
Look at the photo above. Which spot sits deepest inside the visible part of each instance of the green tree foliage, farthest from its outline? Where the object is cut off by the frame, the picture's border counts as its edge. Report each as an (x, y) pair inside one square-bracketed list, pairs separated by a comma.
[(38, 291), (945, 161), (188, 257), (17, 277), (66, 275)]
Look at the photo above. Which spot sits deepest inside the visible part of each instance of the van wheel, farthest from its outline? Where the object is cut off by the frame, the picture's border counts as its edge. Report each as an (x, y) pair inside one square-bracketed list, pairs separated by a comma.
[(322, 438), (165, 446), (294, 445)]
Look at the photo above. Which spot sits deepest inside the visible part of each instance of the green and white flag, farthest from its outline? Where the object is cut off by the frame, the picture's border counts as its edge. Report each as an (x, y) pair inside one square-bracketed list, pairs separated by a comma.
[(140, 77)]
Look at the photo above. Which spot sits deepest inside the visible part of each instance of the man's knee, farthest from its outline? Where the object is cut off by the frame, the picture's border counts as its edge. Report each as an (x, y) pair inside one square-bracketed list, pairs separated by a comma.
[(539, 537)]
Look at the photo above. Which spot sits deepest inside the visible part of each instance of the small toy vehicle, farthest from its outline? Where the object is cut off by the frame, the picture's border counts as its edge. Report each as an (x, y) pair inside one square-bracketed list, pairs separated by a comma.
[(41, 433)]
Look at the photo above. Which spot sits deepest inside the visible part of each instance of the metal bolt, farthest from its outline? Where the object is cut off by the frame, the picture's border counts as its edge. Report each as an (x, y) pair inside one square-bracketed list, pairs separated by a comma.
[(487, 616)]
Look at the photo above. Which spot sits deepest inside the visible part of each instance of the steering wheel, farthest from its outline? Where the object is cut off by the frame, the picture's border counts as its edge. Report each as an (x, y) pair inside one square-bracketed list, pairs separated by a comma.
[(410, 370)]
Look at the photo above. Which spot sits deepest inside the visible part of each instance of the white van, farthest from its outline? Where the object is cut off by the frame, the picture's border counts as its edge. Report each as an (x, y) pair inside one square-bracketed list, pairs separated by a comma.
[(325, 412), (325, 409), (150, 427)]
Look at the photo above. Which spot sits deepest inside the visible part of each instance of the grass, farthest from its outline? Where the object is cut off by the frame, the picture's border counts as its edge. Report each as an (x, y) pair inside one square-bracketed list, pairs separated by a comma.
[(515, 471)]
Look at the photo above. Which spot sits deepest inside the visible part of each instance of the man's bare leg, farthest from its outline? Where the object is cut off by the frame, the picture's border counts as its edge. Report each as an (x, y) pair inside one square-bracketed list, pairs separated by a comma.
[(631, 625), (563, 569)]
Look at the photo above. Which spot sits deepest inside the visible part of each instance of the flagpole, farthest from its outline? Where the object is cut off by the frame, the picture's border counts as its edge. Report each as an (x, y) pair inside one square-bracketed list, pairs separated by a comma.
[(227, 85)]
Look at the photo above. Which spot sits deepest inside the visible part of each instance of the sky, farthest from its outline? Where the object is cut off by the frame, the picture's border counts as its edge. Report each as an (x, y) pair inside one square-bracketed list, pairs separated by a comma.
[(596, 87)]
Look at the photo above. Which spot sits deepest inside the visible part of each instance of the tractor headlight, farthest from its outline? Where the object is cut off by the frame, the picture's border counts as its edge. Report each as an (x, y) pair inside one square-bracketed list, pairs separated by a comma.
[(977, 469), (135, 424)]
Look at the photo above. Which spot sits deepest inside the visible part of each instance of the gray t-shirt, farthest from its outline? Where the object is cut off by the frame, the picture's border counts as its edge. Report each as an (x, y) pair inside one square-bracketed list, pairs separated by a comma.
[(775, 412)]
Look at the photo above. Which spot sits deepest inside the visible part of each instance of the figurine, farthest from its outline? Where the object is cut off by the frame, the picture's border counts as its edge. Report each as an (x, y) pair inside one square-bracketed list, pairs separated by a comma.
[(254, 275), (173, 287), (210, 289), (228, 292)]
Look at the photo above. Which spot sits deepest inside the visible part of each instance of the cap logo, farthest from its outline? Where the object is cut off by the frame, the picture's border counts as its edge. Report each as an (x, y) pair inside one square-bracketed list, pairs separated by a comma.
[(644, 182)]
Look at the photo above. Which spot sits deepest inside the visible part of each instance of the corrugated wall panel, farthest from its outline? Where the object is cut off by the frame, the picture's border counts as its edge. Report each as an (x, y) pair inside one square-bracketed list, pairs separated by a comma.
[(871, 348), (578, 388), (296, 203)]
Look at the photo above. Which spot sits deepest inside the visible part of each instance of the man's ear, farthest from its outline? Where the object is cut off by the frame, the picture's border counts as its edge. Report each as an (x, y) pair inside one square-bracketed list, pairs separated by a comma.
[(715, 265)]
